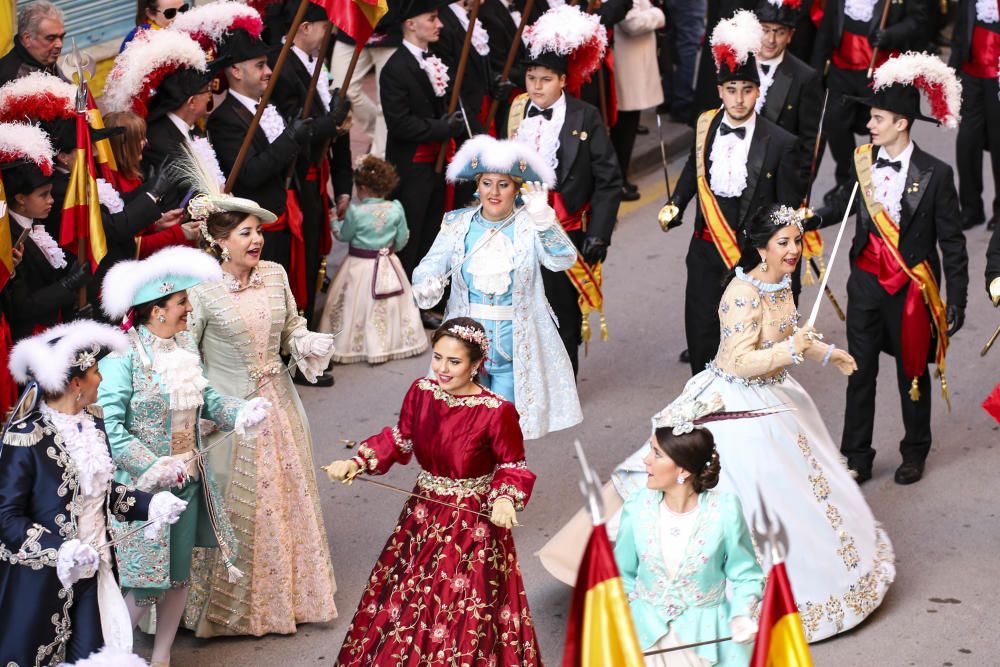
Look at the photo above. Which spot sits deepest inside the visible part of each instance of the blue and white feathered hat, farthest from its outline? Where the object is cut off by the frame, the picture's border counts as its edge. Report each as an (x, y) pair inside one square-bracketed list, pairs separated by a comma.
[(163, 273), (48, 358), (485, 155)]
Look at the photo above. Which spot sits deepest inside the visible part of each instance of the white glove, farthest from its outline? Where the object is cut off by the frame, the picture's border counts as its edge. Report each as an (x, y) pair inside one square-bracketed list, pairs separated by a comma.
[(429, 292), (536, 203), (342, 471), (191, 472), (164, 509), (744, 629), (253, 413), (76, 561), (318, 344), (166, 472), (995, 290), (503, 514)]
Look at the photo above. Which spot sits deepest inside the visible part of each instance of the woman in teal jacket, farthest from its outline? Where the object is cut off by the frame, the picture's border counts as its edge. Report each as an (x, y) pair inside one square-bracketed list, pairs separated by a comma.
[(679, 544)]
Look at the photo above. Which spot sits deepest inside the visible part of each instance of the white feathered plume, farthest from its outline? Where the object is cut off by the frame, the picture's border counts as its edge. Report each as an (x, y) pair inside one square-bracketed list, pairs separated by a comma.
[(499, 156), (49, 363), (37, 96), (931, 76), (20, 141), (125, 279), (735, 39), (143, 65), (209, 23), (567, 31), (194, 171), (109, 657)]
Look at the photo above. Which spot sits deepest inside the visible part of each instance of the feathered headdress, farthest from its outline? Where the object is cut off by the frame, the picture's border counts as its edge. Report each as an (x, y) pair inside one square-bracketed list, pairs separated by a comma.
[(146, 61), (209, 23), (569, 34), (782, 12), (37, 96), (734, 42), (48, 357), (21, 141), (930, 76), (484, 154)]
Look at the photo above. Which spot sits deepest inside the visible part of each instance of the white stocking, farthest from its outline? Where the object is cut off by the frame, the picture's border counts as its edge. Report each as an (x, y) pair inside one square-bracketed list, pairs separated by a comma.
[(169, 611), (134, 610)]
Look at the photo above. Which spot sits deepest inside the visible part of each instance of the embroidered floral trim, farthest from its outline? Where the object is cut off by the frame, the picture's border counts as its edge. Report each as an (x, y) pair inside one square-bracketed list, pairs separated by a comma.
[(122, 501), (233, 283), (511, 493), (848, 552), (258, 373), (109, 197), (402, 444), (440, 394), (87, 448), (785, 283), (513, 465), (448, 486), (31, 552), (747, 382), (366, 458)]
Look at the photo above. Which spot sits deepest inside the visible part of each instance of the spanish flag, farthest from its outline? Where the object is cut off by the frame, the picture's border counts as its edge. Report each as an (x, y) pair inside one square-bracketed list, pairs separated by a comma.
[(356, 18), (81, 217), (600, 631), (105, 158), (6, 249), (7, 25), (781, 641)]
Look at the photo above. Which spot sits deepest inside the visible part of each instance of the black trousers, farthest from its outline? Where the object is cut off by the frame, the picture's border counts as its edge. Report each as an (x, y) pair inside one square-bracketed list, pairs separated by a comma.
[(979, 131), (278, 248), (310, 199), (845, 118), (702, 294), (623, 138), (873, 326), (421, 192), (564, 299)]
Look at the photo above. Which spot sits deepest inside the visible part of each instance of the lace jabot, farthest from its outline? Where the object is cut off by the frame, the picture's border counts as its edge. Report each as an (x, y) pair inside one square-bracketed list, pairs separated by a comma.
[(87, 448), (181, 373), (491, 266)]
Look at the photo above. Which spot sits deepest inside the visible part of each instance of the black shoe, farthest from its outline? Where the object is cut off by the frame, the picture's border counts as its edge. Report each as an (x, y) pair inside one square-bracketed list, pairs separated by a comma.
[(642, 129), (430, 319), (860, 475), (629, 195), (970, 222), (684, 357), (632, 187), (992, 224), (324, 380), (909, 473)]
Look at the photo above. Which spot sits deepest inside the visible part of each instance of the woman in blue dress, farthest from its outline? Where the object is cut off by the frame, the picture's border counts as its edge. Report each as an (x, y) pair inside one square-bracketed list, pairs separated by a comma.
[(493, 253)]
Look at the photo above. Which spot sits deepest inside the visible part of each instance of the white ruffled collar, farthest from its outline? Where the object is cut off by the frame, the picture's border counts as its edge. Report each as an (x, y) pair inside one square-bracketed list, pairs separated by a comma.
[(480, 39), (784, 283), (270, 121), (492, 264), (181, 374), (87, 448), (42, 240), (860, 10), (987, 11)]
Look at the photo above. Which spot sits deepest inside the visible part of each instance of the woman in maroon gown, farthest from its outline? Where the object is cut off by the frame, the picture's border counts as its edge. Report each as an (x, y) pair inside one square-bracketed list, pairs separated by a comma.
[(447, 587)]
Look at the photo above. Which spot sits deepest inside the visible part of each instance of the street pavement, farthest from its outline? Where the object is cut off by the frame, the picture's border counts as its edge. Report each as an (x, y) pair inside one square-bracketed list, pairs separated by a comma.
[(945, 530)]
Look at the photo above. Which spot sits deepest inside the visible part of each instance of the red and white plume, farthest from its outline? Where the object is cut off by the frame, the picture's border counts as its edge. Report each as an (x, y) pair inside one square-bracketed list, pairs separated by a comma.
[(567, 31), (931, 77), (791, 4), (208, 24), (37, 96), (145, 63), (20, 141), (735, 39)]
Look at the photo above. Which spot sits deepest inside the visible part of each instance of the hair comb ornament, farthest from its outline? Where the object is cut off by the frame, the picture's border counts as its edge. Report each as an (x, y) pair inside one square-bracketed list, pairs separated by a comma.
[(785, 216)]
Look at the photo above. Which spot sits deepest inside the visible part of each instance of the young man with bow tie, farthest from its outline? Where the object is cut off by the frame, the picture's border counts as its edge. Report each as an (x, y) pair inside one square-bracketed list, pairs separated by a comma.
[(741, 162), (570, 135), (907, 209)]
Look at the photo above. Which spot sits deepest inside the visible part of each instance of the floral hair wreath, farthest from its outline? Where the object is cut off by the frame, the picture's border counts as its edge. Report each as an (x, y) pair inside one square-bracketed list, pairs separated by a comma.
[(471, 335), (785, 216)]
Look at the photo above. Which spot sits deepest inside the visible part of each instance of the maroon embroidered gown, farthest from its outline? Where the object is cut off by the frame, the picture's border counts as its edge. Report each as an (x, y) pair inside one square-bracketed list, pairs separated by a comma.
[(447, 588)]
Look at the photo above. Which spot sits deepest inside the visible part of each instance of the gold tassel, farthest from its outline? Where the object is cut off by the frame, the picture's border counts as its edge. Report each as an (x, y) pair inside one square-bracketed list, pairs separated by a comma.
[(321, 276), (914, 391), (585, 328), (944, 389), (604, 327), (807, 275)]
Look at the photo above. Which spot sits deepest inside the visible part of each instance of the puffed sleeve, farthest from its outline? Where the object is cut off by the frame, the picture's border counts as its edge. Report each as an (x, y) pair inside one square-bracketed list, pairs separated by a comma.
[(114, 396), (511, 477), (22, 541), (393, 444), (741, 567), (626, 555), (741, 315)]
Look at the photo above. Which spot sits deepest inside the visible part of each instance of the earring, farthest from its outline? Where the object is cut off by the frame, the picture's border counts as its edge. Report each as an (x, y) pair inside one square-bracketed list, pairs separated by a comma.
[(475, 372), (79, 396), (763, 266), (681, 478), (225, 255), (162, 319)]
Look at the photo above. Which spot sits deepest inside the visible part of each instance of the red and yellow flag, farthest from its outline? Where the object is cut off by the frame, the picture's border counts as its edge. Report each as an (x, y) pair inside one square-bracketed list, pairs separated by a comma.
[(356, 18), (992, 403), (600, 631), (102, 147), (6, 249), (81, 217), (781, 641)]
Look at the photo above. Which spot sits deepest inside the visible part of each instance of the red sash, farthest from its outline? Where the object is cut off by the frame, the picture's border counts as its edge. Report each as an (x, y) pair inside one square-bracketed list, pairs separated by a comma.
[(984, 54), (855, 52), (428, 152), (571, 222), (291, 220)]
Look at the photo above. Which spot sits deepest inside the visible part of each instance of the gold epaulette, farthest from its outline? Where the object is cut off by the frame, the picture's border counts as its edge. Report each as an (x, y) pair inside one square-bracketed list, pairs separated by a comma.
[(25, 434)]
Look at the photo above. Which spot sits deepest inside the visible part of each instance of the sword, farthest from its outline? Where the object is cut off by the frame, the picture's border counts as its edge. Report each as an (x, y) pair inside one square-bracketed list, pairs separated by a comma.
[(465, 117), (687, 646), (833, 257), (989, 343), (669, 210)]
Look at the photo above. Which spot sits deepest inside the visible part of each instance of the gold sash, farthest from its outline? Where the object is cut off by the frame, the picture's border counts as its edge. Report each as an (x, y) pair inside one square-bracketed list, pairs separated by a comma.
[(722, 234)]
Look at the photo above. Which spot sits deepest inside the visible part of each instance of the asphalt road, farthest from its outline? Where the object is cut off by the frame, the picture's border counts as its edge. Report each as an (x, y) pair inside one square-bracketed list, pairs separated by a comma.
[(941, 609)]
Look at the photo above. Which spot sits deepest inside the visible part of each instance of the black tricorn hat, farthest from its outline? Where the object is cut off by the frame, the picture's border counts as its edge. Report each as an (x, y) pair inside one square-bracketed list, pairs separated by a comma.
[(899, 99), (784, 13), (181, 84), (418, 7), (313, 12), (239, 46), (22, 177)]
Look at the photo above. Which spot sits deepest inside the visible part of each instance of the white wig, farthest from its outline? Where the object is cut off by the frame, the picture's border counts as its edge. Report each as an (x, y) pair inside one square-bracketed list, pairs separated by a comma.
[(49, 360)]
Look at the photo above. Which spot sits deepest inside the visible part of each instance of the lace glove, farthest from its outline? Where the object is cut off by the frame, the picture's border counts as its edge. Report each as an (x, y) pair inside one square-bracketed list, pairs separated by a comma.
[(190, 463), (503, 514), (76, 561), (342, 471), (744, 629), (164, 509), (166, 472), (536, 203), (253, 413), (428, 293)]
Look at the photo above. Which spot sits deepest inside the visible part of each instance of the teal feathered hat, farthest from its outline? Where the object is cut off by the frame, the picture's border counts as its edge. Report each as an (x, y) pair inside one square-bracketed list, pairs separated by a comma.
[(485, 155)]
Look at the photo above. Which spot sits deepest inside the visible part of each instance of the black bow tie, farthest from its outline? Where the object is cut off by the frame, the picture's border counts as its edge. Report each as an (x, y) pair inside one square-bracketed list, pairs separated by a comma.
[(740, 132), (535, 111), (884, 162), (425, 54), (765, 68)]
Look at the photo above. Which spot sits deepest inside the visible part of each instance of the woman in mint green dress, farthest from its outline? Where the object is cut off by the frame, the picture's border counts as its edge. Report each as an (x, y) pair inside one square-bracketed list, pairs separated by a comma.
[(369, 299)]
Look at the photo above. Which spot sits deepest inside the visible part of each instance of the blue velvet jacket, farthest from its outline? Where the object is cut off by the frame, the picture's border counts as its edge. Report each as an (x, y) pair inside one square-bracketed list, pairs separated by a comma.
[(38, 512)]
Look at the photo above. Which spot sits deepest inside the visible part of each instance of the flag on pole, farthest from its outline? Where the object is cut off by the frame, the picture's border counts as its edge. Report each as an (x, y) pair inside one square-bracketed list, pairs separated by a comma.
[(81, 217), (102, 147), (356, 18), (781, 641), (6, 249), (600, 631), (7, 25)]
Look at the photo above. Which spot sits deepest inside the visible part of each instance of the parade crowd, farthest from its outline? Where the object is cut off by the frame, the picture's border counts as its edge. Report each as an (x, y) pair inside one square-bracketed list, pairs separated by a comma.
[(164, 286)]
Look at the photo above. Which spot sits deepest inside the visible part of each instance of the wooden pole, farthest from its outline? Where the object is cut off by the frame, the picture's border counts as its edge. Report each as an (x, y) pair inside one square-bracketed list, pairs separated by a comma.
[(313, 81), (457, 88), (266, 97), (511, 55), (602, 94), (881, 27)]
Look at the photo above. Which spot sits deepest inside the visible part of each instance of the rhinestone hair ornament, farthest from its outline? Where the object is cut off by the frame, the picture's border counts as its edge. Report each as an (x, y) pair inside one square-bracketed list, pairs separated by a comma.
[(785, 216), (86, 358), (471, 335)]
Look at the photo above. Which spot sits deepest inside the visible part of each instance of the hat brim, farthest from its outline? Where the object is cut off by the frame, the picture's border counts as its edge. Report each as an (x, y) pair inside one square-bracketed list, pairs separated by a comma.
[(870, 102)]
